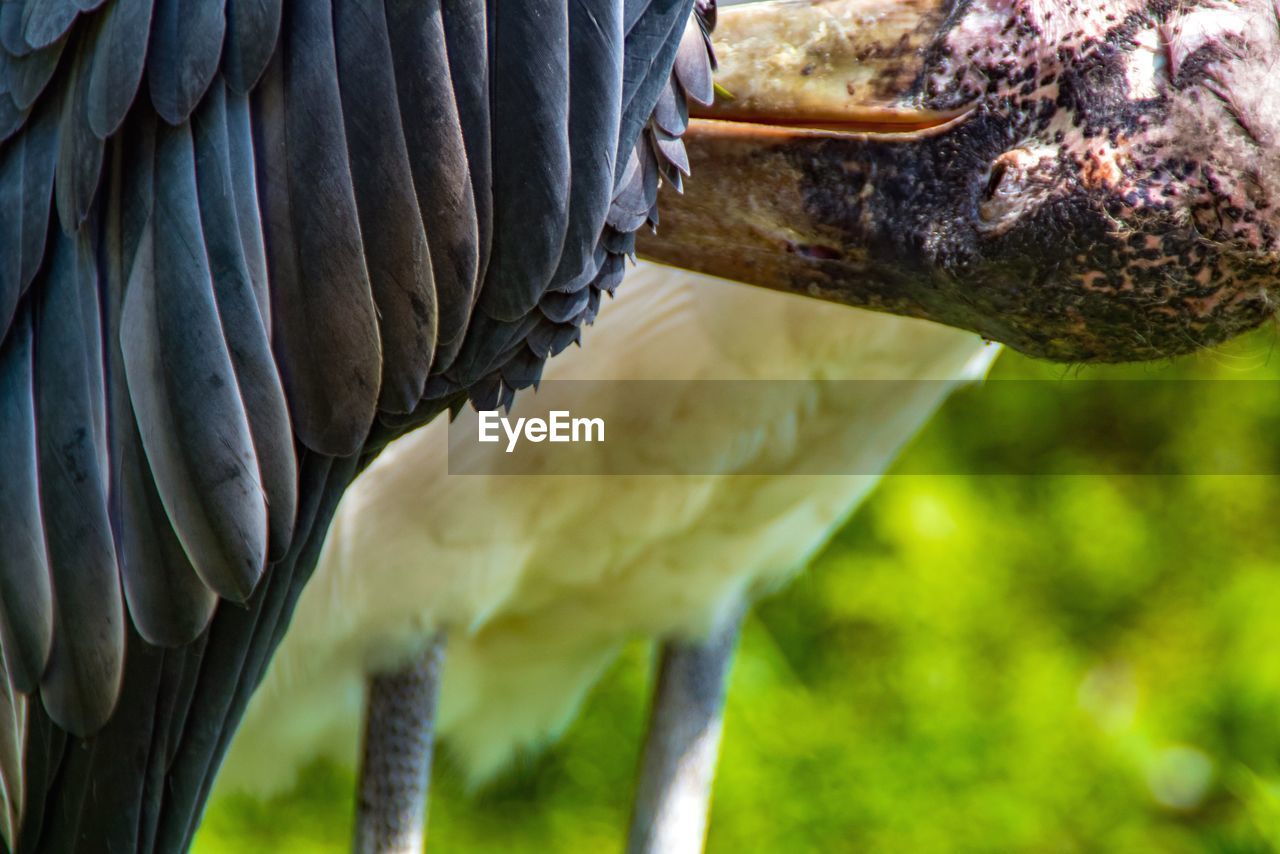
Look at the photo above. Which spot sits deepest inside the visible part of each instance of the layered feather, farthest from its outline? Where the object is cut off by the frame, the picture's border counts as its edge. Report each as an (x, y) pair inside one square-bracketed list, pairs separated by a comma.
[(272, 224), (443, 159), (395, 244), (234, 252), (595, 115), (186, 44), (321, 304), (26, 599), (530, 125), (82, 678), (191, 416)]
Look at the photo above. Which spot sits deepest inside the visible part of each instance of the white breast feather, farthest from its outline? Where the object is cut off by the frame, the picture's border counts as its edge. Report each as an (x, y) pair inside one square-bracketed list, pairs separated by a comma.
[(539, 580)]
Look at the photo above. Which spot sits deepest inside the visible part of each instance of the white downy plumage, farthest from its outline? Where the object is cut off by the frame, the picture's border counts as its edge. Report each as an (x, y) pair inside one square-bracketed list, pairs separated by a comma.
[(540, 579)]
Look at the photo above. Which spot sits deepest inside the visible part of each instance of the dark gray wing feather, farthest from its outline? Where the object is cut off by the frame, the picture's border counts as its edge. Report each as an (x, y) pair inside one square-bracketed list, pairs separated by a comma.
[(252, 29), (244, 186), (395, 245), (693, 66), (167, 601), (595, 115), (673, 160), (30, 73), (11, 28), (13, 737), (184, 390), (26, 603), (650, 51), (326, 333), (119, 48), (671, 113), (466, 35), (114, 762), (186, 45), (240, 314), (46, 21), (487, 340), (563, 306), (11, 117), (530, 127), (82, 679), (45, 749), (26, 188), (438, 157), (636, 191), (79, 148)]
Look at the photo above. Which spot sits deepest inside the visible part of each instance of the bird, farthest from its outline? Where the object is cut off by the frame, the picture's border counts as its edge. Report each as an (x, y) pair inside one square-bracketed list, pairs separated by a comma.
[(374, 642), (537, 588), (245, 245)]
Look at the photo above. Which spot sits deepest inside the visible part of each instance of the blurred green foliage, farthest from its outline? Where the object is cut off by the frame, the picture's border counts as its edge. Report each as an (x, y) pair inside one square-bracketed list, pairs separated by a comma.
[(976, 663)]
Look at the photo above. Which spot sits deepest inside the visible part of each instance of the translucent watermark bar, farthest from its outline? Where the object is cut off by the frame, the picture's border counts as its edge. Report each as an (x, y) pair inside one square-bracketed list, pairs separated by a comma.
[(856, 427)]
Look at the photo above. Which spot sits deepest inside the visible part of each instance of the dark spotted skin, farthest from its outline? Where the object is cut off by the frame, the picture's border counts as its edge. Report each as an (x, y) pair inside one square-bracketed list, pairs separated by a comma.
[(1111, 195), (1139, 250)]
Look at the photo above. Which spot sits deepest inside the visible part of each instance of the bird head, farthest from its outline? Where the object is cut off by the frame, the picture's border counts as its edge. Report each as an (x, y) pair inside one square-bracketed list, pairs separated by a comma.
[(1085, 180)]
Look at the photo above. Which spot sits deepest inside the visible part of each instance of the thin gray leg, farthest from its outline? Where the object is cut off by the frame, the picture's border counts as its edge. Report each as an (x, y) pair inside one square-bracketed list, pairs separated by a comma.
[(674, 791), (395, 768)]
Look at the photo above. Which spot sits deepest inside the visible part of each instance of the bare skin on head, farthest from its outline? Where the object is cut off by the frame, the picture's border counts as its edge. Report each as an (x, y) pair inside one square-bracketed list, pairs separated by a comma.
[(1092, 180)]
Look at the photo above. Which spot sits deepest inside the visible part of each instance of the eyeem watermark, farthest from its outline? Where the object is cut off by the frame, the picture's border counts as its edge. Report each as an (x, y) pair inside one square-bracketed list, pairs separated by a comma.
[(560, 426)]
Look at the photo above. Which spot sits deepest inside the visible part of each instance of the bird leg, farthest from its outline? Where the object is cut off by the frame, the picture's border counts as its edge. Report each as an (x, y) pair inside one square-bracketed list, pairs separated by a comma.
[(683, 740), (395, 766)]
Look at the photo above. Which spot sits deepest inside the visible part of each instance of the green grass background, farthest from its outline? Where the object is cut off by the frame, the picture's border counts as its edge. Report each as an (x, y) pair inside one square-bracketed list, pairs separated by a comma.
[(977, 663)]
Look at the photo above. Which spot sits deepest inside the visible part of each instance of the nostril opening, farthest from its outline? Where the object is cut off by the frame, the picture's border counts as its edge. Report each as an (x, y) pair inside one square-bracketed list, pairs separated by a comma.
[(994, 179), (813, 250), (1018, 181)]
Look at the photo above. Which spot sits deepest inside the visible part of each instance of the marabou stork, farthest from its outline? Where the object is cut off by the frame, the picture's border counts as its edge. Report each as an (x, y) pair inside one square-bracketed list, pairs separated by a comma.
[(537, 589), (246, 243)]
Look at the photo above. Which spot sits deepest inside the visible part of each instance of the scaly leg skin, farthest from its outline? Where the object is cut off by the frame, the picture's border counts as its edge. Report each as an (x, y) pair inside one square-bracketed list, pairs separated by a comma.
[(683, 741), (395, 767)]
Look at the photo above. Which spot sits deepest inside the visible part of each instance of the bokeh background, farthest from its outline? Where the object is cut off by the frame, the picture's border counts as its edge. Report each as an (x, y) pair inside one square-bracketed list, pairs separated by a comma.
[(976, 663)]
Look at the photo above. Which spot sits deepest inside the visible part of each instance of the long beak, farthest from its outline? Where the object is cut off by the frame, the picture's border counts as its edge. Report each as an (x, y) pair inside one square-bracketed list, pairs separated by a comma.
[(842, 65), (819, 92)]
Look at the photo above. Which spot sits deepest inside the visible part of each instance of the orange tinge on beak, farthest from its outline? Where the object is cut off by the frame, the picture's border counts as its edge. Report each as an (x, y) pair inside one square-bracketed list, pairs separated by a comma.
[(844, 66), (791, 74)]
